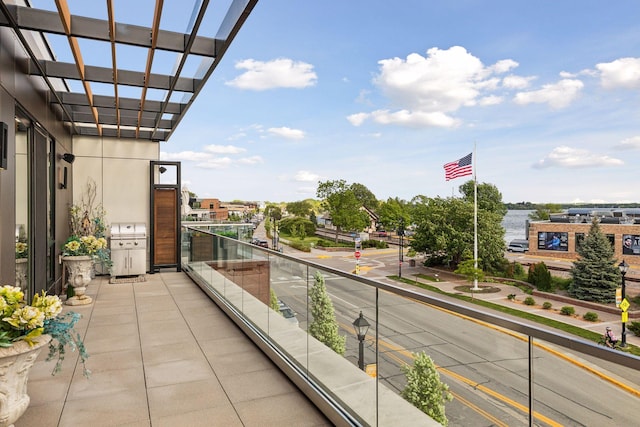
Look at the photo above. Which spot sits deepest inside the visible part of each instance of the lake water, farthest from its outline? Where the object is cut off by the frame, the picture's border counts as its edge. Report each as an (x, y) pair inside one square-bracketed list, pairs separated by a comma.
[(514, 224)]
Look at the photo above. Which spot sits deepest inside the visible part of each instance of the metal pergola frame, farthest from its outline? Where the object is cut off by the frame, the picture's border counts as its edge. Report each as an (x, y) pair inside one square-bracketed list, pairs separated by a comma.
[(115, 116)]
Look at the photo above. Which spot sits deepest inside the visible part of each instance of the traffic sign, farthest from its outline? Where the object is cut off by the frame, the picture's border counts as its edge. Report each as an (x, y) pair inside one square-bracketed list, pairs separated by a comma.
[(357, 254), (624, 305)]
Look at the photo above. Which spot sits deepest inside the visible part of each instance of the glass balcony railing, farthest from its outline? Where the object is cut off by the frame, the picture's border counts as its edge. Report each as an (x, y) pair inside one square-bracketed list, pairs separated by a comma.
[(499, 371)]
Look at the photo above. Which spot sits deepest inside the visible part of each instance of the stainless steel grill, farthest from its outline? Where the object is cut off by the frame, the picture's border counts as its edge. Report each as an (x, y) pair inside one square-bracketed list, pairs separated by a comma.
[(128, 249)]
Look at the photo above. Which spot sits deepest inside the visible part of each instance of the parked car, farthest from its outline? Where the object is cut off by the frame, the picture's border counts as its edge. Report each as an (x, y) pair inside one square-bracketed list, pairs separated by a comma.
[(288, 313), (260, 242), (518, 246)]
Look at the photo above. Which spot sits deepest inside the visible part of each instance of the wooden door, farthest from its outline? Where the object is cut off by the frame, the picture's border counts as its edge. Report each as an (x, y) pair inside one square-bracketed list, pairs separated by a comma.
[(165, 226)]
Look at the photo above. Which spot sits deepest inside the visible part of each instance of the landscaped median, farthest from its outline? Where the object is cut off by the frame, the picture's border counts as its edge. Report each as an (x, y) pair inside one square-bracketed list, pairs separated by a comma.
[(422, 279)]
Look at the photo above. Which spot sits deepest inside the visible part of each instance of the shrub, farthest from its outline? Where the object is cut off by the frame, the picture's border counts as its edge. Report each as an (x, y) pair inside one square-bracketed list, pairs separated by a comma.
[(301, 246), (567, 310), (546, 305), (511, 297), (590, 316), (529, 301), (378, 244), (635, 328), (540, 277)]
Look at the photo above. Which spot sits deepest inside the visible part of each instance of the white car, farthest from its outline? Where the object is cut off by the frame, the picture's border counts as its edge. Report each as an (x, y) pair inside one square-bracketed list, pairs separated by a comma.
[(518, 246)]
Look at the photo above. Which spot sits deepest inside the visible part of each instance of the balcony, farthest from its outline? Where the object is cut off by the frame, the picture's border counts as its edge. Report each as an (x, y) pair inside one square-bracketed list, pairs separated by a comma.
[(186, 349)]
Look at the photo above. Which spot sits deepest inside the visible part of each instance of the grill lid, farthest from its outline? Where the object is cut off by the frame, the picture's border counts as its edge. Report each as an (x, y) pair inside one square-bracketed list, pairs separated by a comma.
[(128, 230)]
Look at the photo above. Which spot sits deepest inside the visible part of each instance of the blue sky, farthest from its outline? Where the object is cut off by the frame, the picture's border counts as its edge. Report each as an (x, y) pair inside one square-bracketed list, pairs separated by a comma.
[(385, 93)]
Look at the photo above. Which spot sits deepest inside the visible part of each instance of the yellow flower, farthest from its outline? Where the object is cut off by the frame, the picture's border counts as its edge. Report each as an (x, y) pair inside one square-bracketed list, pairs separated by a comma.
[(50, 305), (73, 246), (26, 317)]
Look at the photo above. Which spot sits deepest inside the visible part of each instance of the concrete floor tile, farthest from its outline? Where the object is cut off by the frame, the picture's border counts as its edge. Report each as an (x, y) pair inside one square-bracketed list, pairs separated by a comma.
[(175, 372), (218, 417), (286, 409), (174, 399), (256, 385), (117, 409)]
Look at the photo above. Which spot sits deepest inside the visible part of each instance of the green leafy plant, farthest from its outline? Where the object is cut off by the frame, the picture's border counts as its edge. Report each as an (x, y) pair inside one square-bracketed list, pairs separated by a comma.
[(635, 328), (21, 250), (511, 297), (546, 305), (590, 316), (23, 322), (568, 310), (424, 388), (529, 301)]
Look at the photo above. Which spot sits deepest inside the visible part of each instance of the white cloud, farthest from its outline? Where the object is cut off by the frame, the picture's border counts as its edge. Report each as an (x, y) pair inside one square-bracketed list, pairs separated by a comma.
[(358, 118), (491, 100), (621, 73), (184, 156), (443, 81), (557, 95), (287, 133), (250, 160), (504, 65), (278, 73), (567, 157), (414, 118), (632, 143), (223, 149), (216, 163), (516, 82), (428, 89), (306, 176)]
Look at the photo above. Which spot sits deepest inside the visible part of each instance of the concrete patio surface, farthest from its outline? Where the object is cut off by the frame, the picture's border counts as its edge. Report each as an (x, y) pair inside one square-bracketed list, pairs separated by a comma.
[(162, 354)]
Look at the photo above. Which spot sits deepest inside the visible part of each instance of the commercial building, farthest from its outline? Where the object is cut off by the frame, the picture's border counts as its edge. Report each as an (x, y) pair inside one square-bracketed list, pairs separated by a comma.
[(562, 234)]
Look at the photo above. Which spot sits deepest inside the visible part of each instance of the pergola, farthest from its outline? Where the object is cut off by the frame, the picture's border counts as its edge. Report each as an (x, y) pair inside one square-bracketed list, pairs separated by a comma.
[(113, 115)]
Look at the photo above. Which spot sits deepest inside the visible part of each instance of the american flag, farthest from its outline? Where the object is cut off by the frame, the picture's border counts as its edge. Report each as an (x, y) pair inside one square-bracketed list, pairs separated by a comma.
[(458, 168)]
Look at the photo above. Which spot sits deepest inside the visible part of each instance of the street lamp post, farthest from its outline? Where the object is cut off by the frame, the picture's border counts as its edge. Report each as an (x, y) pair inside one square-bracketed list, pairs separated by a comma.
[(361, 327), (624, 267), (400, 249)]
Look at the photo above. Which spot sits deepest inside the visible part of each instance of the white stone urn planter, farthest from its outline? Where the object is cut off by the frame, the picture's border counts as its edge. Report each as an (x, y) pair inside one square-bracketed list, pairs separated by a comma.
[(80, 270), (15, 363), (21, 272)]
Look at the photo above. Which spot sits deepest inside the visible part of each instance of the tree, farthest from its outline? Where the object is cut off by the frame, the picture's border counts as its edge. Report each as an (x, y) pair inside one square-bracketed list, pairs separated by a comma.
[(273, 211), (273, 301), (543, 212), (365, 196), (445, 226), (467, 269), (391, 211), (302, 208), (424, 389), (324, 326), (343, 206), (595, 274), (489, 197), (540, 276)]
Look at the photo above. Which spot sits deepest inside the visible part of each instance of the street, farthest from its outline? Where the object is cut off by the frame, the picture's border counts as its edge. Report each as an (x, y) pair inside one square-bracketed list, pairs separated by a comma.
[(485, 368)]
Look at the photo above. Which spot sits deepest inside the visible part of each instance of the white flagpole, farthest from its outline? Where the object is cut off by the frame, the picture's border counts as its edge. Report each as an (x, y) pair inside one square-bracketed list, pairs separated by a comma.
[(475, 219)]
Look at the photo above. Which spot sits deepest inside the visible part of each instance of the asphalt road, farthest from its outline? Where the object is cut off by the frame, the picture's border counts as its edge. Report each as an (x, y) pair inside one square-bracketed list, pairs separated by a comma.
[(487, 369)]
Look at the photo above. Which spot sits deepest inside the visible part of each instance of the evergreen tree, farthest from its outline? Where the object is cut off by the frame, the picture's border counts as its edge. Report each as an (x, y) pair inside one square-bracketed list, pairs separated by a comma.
[(540, 276), (273, 301), (324, 326), (424, 389), (595, 274)]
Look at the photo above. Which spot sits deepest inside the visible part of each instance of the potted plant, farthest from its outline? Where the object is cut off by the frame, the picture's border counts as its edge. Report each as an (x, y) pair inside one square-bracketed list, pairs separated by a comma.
[(22, 253), (87, 245), (24, 331), (79, 254)]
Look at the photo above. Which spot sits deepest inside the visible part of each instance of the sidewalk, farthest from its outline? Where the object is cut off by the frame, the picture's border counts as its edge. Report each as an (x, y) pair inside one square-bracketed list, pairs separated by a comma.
[(449, 282), (451, 285)]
